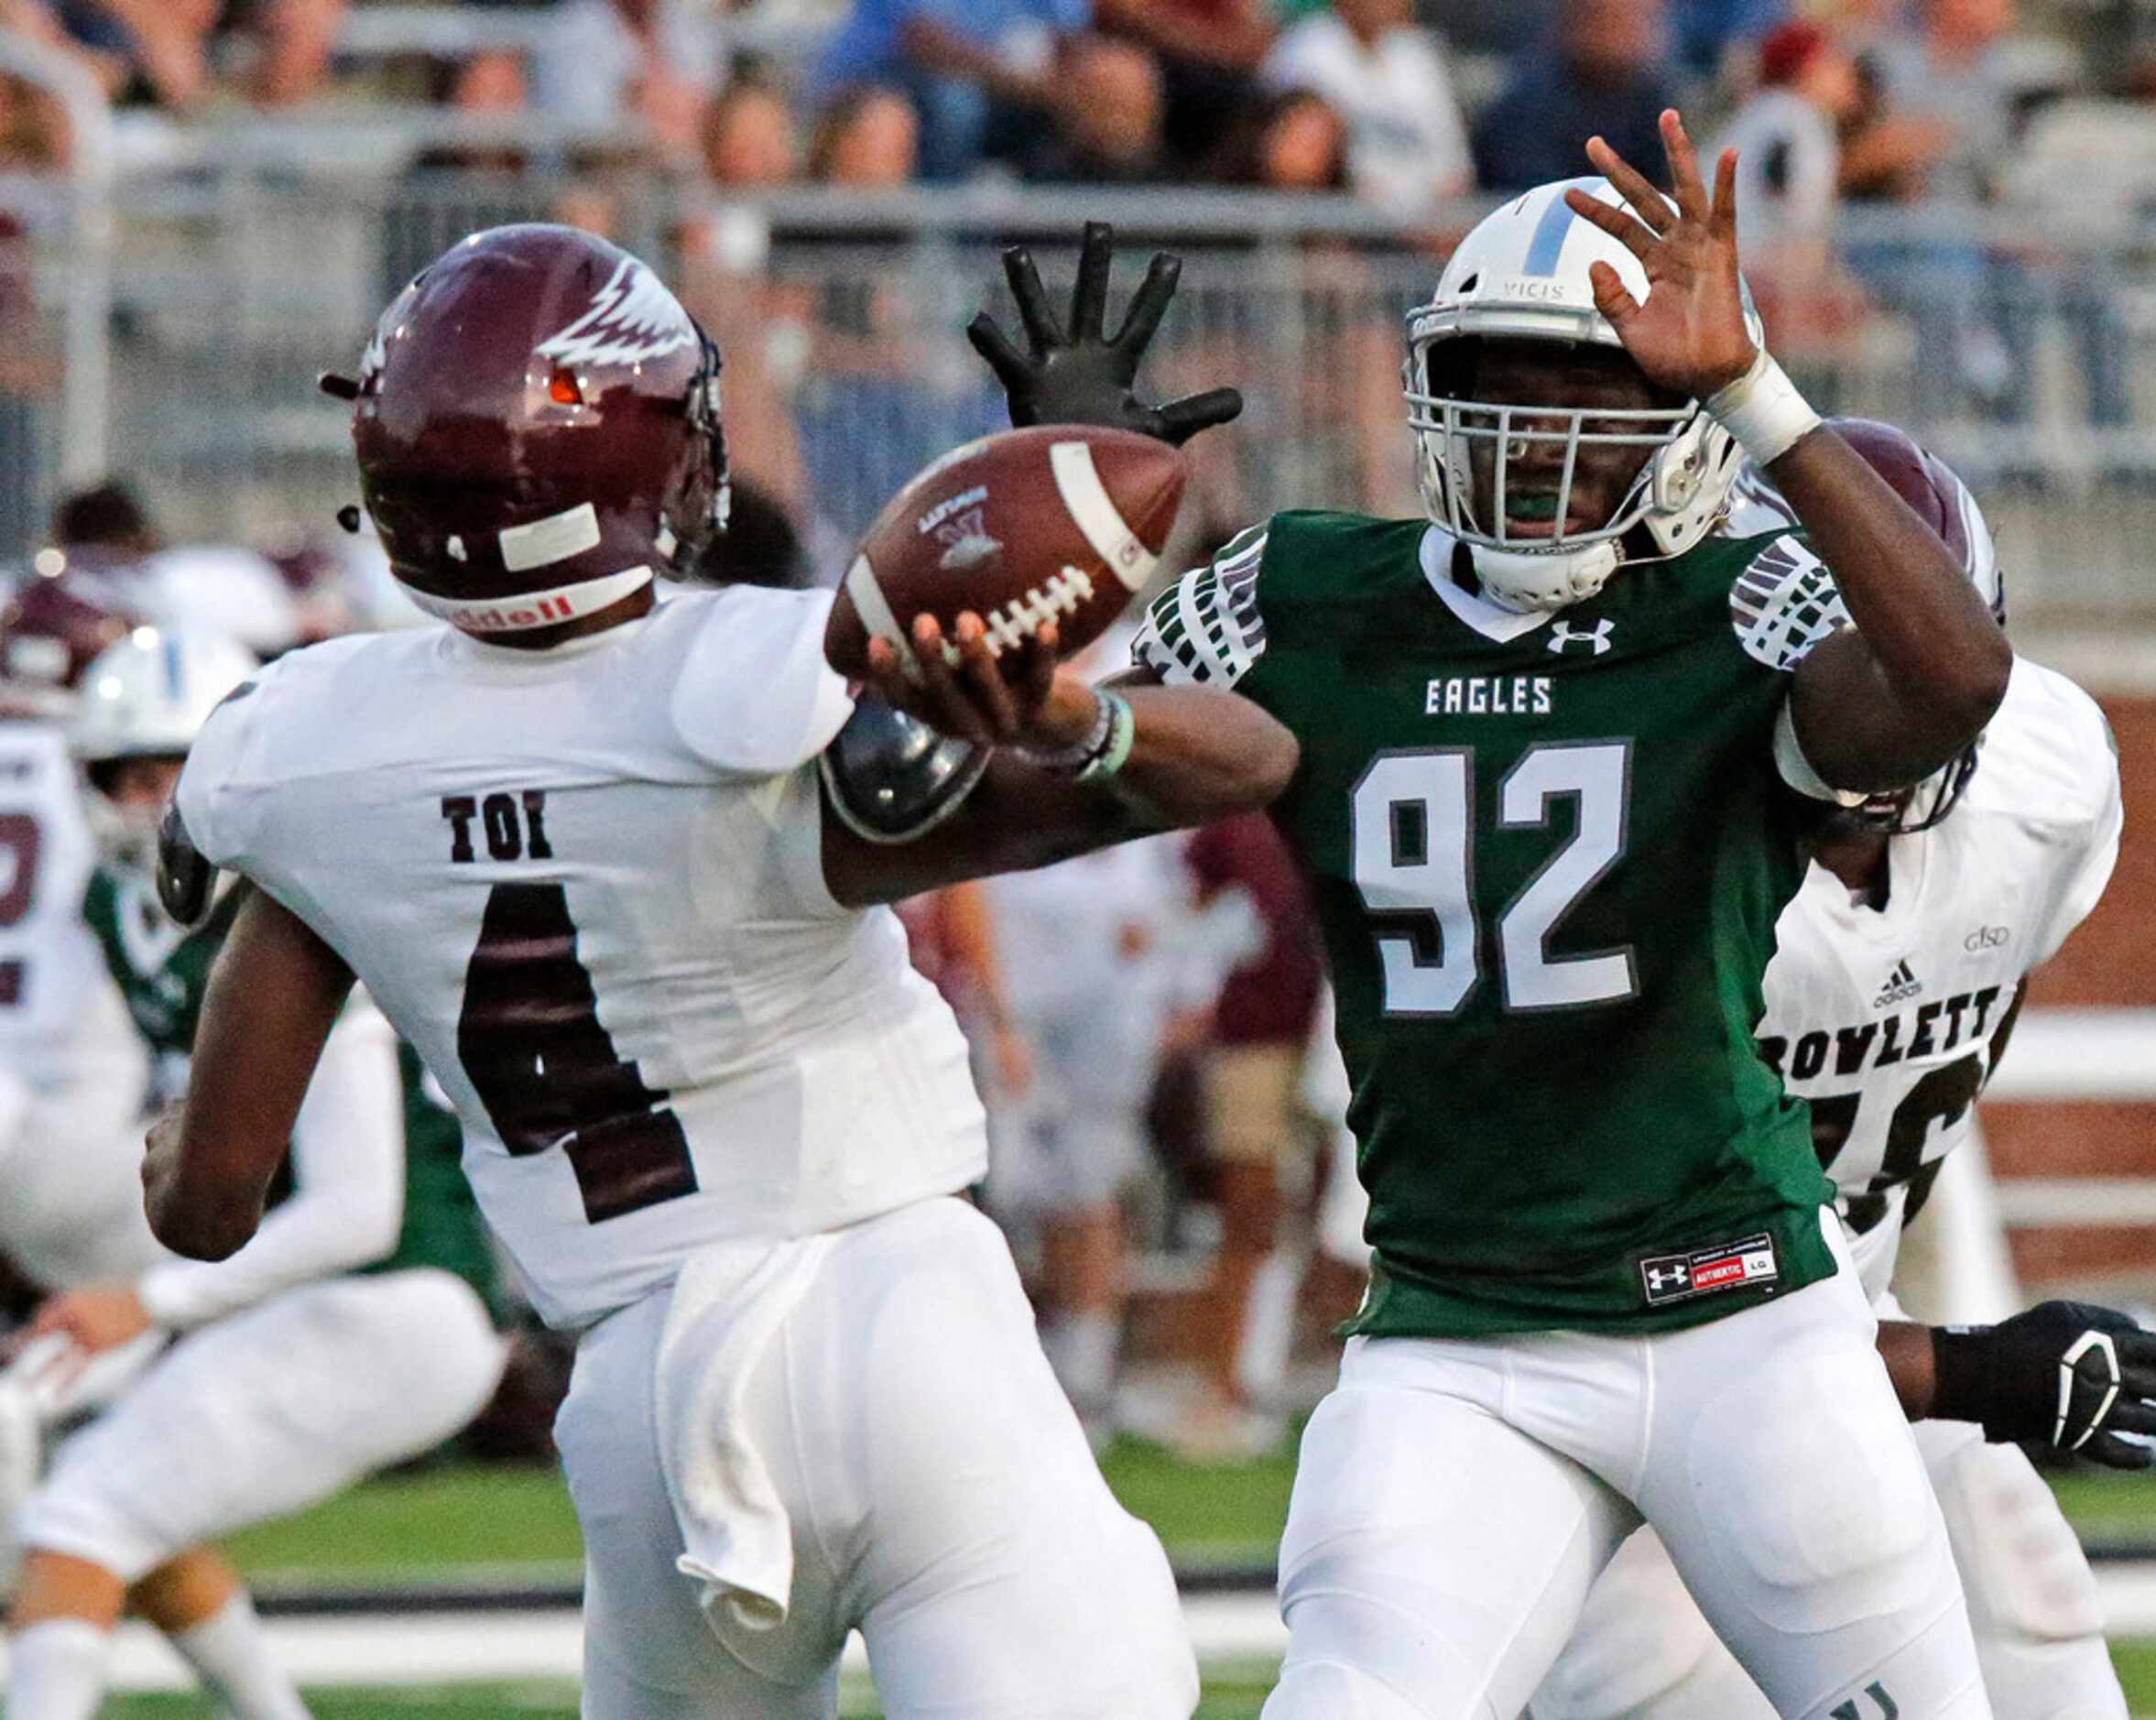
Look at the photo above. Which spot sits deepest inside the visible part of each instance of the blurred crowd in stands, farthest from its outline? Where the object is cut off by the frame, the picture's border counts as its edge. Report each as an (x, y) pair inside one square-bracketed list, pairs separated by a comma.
[(1407, 104)]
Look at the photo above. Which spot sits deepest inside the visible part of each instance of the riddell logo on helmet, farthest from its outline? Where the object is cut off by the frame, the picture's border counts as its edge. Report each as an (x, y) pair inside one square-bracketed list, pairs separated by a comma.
[(544, 613)]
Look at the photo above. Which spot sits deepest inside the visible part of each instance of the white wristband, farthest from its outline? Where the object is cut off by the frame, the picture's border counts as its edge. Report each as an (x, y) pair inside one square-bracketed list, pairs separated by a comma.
[(1764, 412)]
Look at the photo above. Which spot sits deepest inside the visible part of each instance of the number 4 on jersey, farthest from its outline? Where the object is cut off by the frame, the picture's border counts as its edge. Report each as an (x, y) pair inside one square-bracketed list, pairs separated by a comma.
[(1413, 817), (545, 1067)]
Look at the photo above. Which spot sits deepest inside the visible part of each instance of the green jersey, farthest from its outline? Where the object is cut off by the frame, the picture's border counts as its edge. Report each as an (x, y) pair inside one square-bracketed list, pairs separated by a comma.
[(163, 972), (1548, 853)]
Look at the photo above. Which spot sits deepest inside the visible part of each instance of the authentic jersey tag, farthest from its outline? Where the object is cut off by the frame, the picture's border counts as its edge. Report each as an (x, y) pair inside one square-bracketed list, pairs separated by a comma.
[(1676, 1277)]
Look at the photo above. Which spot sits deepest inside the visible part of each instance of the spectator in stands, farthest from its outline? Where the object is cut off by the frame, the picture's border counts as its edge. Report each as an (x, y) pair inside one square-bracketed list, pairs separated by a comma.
[(1293, 141), (1208, 52), (868, 137), (604, 60), (1107, 117), (748, 145), (746, 136), (963, 64), (1713, 36), (888, 381), (1947, 72), (1255, 1130), (1787, 136), (1407, 144), (1602, 73), (490, 85)]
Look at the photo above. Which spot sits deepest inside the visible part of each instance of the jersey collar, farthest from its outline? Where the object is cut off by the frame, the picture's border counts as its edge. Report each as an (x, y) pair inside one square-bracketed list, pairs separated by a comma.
[(1493, 621)]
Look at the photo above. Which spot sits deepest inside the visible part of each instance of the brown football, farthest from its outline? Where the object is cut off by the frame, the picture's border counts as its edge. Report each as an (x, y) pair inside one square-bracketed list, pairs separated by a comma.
[(1059, 522)]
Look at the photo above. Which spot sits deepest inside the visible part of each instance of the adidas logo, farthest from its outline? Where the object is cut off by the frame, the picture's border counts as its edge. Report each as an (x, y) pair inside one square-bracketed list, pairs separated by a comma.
[(1901, 986)]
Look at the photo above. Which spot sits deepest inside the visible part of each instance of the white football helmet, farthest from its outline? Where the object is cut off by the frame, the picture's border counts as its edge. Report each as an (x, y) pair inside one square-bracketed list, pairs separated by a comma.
[(1522, 273), (147, 697)]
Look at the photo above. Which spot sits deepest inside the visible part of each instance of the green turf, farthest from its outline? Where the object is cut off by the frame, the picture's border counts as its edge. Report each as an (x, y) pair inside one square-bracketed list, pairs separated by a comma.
[(462, 1516), (415, 1523)]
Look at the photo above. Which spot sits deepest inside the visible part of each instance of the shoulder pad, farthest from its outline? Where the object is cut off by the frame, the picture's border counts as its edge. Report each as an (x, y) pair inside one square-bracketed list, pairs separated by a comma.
[(186, 882), (892, 778)]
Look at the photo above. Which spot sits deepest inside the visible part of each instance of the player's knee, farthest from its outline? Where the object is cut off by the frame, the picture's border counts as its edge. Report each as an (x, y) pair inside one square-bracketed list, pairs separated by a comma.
[(1330, 1689), (1830, 1515), (2022, 1565)]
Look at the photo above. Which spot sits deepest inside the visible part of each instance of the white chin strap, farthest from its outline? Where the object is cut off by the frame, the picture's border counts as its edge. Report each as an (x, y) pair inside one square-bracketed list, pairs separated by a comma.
[(483, 616), (1529, 583)]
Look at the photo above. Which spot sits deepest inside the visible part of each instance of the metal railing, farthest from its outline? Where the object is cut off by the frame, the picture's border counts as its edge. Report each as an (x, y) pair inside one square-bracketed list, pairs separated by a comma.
[(2025, 355)]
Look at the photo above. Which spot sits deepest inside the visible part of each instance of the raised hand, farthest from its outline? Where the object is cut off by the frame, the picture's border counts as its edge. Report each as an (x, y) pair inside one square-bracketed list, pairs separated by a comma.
[(1081, 374), (1690, 335)]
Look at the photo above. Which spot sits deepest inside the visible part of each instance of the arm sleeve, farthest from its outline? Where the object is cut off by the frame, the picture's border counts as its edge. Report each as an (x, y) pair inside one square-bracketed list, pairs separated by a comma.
[(1782, 604), (1206, 630), (755, 697), (347, 1205), (2054, 740)]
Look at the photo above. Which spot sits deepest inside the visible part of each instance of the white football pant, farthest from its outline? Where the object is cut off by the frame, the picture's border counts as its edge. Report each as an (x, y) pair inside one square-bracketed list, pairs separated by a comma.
[(939, 1493), (266, 1412), (1643, 1653), (1456, 1500)]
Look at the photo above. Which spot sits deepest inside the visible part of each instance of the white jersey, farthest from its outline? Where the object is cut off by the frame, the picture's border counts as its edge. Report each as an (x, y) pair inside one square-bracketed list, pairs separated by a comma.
[(1890, 1020), (48, 961), (586, 884)]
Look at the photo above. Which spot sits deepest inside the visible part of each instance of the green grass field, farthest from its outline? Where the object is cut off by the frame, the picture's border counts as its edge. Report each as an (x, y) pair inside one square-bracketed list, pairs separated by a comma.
[(454, 1523)]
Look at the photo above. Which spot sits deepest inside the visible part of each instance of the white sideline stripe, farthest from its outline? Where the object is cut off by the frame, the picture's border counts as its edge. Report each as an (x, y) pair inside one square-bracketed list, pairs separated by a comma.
[(2043, 1202), (505, 1647), (1078, 481), (2080, 1054)]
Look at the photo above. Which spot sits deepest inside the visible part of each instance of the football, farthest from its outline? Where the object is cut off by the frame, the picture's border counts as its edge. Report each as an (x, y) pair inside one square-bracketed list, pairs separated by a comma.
[(1059, 522)]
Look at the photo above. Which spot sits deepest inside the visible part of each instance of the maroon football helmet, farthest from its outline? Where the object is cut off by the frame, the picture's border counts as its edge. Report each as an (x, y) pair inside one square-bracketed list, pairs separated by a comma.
[(537, 421), (56, 624)]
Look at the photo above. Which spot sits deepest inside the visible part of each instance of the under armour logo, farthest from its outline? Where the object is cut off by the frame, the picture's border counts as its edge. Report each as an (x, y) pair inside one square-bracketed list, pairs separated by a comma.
[(1674, 1277), (1563, 636)]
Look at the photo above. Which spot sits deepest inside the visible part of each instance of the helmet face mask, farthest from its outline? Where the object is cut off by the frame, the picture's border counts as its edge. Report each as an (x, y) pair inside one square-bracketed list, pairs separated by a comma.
[(1520, 281), (139, 707), (1540, 444)]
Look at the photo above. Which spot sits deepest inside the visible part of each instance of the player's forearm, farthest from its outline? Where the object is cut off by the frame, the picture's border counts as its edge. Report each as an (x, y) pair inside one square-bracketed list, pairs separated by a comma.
[(1196, 755), (273, 996), (347, 1206), (1906, 1348), (1929, 664)]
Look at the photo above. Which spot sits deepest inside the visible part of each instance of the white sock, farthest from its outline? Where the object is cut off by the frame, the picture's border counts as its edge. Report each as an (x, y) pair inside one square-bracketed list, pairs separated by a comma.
[(230, 1652), (56, 1670), (1081, 1349), (1268, 1326)]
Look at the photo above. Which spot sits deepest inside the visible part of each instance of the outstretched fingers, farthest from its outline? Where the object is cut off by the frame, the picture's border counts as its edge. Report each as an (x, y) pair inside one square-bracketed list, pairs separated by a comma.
[(1684, 179), (1010, 366), (1722, 220), (1647, 202), (1623, 226), (1618, 306), (1089, 292), (1148, 304), (1181, 420), (1038, 322)]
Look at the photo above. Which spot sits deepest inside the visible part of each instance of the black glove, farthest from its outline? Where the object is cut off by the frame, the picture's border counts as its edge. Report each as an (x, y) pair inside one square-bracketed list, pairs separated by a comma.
[(1082, 376), (2068, 1375)]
